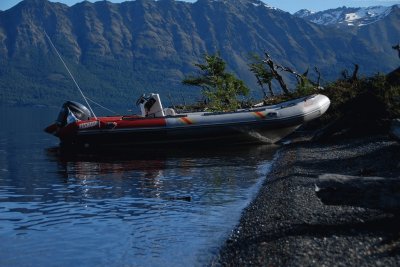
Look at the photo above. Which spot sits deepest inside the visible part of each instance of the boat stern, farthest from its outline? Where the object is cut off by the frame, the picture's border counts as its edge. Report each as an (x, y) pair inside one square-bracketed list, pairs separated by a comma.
[(52, 129)]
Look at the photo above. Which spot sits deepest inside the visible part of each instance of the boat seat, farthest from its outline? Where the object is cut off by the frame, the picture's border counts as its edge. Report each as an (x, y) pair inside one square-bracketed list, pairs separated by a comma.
[(169, 112)]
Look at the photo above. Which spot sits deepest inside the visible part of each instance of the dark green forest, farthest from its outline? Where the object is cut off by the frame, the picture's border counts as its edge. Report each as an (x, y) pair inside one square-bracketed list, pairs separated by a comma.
[(119, 51)]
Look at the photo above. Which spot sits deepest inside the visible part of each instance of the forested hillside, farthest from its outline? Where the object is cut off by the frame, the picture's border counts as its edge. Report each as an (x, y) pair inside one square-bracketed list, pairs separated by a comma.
[(119, 51)]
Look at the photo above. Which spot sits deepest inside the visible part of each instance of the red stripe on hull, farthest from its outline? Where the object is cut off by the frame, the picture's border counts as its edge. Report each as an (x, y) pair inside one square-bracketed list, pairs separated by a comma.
[(140, 123), (117, 122), (122, 123)]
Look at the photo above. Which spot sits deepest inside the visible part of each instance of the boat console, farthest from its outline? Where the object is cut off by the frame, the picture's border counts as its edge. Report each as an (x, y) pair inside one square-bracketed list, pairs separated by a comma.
[(150, 106)]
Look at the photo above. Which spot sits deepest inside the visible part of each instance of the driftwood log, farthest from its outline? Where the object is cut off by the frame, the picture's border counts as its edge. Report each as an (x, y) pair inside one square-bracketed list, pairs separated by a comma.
[(367, 192), (395, 129)]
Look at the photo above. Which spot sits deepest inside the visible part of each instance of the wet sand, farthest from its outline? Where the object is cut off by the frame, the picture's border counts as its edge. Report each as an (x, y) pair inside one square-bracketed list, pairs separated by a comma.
[(288, 225)]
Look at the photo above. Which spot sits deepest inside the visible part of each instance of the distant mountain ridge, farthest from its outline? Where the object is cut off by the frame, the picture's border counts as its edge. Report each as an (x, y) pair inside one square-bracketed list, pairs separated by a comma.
[(347, 16), (119, 51)]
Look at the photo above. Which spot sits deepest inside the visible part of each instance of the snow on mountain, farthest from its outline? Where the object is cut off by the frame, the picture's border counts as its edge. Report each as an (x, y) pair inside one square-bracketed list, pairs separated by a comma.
[(303, 13), (258, 3), (346, 16)]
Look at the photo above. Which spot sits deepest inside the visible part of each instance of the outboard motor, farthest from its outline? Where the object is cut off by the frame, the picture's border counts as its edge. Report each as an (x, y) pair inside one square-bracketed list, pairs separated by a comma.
[(79, 112), (151, 106)]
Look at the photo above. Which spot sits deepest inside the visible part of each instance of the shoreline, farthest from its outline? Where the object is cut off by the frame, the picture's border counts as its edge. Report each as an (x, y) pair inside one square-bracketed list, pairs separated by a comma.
[(287, 225)]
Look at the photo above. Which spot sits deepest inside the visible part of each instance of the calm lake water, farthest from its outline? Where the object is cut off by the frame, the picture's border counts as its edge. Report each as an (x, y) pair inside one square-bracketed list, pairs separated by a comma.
[(173, 208)]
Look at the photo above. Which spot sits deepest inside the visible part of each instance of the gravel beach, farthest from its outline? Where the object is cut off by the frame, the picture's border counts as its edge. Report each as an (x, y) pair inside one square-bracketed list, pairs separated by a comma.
[(288, 225)]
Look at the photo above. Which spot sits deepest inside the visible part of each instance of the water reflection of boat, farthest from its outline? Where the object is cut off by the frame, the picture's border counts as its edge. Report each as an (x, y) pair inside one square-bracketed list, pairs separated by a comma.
[(157, 175), (143, 158), (79, 127), (117, 162)]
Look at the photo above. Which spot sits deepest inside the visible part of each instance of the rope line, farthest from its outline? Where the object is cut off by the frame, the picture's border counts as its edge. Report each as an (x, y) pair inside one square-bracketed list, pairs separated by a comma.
[(70, 74), (94, 102)]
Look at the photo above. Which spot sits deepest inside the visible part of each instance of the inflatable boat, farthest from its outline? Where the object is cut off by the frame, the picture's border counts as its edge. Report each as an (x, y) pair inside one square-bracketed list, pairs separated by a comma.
[(156, 126)]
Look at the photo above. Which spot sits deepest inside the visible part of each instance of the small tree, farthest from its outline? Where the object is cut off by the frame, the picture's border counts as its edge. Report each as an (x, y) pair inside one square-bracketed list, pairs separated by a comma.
[(221, 89), (263, 76), (304, 87), (273, 67), (267, 70)]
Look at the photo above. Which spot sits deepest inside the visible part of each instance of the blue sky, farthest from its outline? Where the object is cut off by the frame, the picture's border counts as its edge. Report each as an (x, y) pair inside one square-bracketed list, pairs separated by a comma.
[(287, 5)]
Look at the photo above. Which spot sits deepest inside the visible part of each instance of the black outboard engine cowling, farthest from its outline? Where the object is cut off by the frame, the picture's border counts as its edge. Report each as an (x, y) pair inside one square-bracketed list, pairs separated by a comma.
[(80, 112)]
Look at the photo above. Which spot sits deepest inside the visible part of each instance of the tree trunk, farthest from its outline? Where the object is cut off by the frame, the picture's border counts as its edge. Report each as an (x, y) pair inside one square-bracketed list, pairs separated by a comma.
[(270, 89), (277, 76)]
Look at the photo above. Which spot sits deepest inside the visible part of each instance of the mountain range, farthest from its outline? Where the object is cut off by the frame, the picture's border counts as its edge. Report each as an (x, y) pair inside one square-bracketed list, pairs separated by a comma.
[(119, 51), (347, 16)]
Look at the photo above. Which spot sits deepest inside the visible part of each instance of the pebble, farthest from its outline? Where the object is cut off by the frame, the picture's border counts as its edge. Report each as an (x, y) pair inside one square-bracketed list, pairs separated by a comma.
[(287, 225)]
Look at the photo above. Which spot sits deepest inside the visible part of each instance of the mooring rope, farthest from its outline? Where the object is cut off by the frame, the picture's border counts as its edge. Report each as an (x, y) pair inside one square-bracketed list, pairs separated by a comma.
[(94, 102), (70, 74)]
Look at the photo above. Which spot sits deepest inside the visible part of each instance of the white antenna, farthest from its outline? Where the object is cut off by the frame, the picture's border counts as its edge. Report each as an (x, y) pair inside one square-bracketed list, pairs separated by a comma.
[(70, 74)]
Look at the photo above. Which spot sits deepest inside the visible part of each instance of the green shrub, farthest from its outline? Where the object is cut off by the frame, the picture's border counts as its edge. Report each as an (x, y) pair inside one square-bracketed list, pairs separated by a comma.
[(220, 89)]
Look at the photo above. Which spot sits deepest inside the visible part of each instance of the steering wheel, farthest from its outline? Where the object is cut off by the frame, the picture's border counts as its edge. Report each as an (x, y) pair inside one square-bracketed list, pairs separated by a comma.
[(141, 99)]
